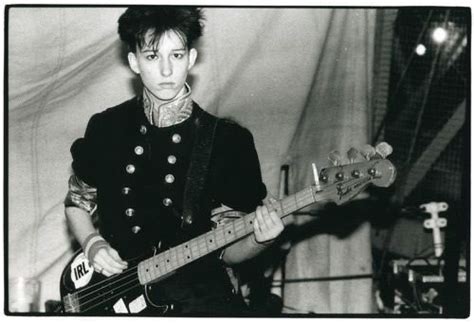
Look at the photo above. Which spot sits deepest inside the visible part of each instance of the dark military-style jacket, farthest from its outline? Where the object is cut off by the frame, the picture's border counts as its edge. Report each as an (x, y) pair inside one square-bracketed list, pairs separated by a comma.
[(140, 174)]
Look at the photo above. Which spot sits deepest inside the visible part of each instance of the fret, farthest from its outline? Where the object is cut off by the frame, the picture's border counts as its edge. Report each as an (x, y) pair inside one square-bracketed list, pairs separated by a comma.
[(297, 197), (280, 210), (203, 245), (149, 270), (239, 226), (214, 235), (146, 272), (220, 236), (249, 220), (180, 255), (151, 266), (210, 242), (166, 261), (188, 253), (234, 230), (175, 261), (245, 220), (229, 232), (193, 244), (156, 268)]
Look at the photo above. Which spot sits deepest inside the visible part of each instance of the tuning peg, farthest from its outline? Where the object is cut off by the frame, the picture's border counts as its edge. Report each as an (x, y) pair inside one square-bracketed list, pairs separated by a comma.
[(383, 149), (352, 154), (368, 152), (316, 177), (335, 157)]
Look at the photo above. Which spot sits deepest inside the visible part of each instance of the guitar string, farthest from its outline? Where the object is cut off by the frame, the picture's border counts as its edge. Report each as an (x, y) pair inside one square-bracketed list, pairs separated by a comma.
[(122, 277), (107, 299), (129, 270), (201, 241), (203, 238), (104, 282)]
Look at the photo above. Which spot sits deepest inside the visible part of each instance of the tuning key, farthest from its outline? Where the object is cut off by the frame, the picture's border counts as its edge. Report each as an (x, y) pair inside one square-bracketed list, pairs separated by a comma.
[(383, 149), (368, 152), (335, 157), (316, 177), (352, 154)]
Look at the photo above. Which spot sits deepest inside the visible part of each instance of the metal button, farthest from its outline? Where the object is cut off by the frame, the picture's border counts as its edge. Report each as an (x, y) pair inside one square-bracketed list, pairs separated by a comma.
[(129, 212), (136, 229), (169, 178), (138, 150), (167, 201), (172, 159), (126, 190), (143, 129), (176, 138), (130, 169)]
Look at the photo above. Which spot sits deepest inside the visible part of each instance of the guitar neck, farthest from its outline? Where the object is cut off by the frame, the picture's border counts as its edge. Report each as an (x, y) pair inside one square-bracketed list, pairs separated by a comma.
[(160, 265)]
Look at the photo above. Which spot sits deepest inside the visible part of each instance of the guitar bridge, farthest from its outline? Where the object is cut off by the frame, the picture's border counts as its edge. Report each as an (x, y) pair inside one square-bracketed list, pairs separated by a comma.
[(71, 303)]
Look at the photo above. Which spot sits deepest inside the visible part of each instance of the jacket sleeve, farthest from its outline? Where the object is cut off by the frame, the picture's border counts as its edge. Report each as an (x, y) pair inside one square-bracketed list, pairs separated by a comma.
[(85, 153), (239, 180)]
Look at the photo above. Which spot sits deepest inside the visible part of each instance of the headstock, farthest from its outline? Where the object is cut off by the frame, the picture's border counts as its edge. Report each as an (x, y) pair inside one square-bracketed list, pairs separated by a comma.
[(341, 183)]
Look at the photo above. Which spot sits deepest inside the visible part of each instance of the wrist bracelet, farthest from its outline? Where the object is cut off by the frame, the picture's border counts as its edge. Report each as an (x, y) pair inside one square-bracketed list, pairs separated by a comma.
[(89, 242), (88, 238)]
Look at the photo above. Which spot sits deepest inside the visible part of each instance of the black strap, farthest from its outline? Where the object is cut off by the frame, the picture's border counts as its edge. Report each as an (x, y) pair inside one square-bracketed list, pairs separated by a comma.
[(205, 128)]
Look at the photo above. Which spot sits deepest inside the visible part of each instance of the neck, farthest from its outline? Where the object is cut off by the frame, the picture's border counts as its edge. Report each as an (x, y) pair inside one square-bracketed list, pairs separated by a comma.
[(158, 102), (164, 113)]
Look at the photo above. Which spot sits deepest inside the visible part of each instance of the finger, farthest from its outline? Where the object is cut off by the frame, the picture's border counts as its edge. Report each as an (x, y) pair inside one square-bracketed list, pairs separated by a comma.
[(261, 214), (266, 217), (106, 273), (272, 200), (115, 255), (108, 263), (257, 230)]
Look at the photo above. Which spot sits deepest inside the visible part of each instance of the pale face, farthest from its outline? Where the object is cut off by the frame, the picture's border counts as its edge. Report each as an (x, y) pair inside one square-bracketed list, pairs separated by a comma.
[(163, 69)]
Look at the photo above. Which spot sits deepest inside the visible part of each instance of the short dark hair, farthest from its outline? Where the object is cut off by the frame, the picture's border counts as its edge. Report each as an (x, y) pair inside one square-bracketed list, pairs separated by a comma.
[(136, 21)]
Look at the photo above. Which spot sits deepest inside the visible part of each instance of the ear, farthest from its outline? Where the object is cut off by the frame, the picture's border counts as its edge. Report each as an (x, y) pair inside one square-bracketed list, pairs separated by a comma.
[(192, 57), (132, 61)]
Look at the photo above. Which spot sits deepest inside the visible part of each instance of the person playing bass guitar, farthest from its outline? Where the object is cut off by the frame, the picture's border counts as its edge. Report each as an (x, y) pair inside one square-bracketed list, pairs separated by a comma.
[(151, 169)]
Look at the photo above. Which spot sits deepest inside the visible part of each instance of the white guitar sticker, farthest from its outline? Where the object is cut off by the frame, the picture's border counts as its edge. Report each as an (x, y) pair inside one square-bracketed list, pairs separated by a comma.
[(120, 307), (137, 305), (81, 271)]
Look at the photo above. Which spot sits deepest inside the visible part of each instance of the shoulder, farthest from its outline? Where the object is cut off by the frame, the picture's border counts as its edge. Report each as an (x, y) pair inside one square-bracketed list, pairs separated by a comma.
[(227, 128), (117, 113), (116, 117), (232, 131)]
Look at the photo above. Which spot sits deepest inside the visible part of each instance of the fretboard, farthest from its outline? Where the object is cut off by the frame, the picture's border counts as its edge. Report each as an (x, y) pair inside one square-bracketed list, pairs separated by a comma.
[(160, 265)]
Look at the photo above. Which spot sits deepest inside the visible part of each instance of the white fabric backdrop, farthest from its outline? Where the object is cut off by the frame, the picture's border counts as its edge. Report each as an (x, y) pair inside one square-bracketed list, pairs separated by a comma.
[(299, 79)]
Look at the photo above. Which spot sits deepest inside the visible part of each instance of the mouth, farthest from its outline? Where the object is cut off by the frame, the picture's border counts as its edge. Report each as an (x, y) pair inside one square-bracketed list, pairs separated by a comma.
[(166, 85)]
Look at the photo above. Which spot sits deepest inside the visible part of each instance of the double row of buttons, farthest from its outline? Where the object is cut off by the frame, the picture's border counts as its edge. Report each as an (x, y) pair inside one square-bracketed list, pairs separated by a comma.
[(130, 169)]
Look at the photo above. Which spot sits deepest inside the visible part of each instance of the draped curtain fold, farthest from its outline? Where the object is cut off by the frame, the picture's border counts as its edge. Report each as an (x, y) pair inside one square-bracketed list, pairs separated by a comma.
[(299, 79)]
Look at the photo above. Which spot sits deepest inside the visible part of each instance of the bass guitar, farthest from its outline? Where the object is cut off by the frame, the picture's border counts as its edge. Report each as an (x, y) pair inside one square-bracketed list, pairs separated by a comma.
[(85, 291)]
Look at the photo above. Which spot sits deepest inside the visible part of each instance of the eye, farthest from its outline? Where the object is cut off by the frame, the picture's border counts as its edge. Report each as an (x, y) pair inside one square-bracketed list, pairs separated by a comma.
[(178, 55), (151, 57)]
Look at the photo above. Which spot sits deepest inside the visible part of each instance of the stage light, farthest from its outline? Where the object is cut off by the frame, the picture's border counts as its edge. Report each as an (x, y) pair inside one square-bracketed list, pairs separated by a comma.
[(439, 35), (420, 49)]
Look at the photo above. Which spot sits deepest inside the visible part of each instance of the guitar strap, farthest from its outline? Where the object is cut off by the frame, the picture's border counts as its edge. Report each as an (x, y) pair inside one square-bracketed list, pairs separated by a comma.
[(204, 132)]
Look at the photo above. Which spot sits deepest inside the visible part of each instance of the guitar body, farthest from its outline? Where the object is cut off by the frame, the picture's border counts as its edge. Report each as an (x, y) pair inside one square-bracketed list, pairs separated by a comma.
[(86, 291), (185, 291)]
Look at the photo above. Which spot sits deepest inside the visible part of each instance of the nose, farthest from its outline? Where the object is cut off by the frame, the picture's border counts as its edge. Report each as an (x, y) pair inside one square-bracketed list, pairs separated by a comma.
[(166, 67)]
